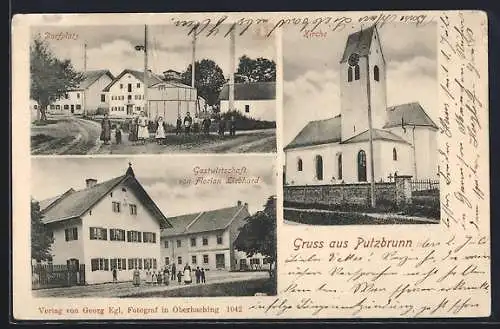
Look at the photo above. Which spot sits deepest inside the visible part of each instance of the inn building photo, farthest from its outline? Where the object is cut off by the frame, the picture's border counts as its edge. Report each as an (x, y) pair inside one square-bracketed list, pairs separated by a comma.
[(373, 146), (114, 230)]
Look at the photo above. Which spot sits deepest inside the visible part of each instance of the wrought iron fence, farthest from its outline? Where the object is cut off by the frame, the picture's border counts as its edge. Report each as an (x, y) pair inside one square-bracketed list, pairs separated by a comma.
[(425, 186), (51, 276)]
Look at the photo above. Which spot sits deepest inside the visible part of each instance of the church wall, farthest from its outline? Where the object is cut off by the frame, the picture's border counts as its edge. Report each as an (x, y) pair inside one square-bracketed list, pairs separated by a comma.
[(403, 164), (378, 88), (354, 101), (425, 141)]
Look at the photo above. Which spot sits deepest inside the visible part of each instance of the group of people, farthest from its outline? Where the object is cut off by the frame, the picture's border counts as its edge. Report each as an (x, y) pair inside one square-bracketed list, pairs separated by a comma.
[(166, 275), (139, 128)]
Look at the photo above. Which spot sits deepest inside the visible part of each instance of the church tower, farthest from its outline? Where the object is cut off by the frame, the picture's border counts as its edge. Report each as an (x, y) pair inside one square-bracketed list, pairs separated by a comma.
[(362, 77)]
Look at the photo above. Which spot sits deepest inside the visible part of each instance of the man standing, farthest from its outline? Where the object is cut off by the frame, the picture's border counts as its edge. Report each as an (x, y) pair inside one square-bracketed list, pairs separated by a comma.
[(232, 126), (178, 126), (188, 121), (115, 275), (173, 273)]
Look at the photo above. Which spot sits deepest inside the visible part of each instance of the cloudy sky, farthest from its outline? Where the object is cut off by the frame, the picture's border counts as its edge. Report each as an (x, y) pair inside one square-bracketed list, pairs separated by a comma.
[(160, 178), (112, 47), (311, 72)]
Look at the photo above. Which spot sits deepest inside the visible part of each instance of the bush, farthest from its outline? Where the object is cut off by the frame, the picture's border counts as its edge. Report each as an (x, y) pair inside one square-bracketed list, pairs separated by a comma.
[(246, 123)]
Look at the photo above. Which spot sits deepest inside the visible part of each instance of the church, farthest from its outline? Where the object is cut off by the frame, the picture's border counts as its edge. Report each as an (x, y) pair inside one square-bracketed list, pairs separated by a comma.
[(337, 150)]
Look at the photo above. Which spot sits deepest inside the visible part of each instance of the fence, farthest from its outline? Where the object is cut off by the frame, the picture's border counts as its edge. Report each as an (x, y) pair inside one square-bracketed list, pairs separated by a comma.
[(424, 186), (51, 276)]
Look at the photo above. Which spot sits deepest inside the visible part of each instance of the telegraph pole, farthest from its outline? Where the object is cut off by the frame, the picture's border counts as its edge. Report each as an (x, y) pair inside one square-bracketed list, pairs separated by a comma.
[(146, 105), (193, 62), (231, 70), (85, 73), (370, 133)]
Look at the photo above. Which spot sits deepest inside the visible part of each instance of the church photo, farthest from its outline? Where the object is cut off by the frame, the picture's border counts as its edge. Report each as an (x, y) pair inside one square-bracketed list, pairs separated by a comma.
[(360, 133)]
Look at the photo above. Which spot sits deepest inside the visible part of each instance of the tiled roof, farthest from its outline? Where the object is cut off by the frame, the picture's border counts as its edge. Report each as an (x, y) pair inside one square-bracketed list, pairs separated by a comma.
[(318, 132), (408, 114), (92, 76), (153, 79), (77, 203), (44, 204), (250, 91), (378, 134), (205, 221), (358, 42)]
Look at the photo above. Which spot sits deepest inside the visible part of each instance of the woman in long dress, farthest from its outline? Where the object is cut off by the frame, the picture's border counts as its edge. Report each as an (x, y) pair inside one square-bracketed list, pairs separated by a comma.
[(187, 275), (160, 131), (132, 136), (148, 276), (136, 279), (143, 134)]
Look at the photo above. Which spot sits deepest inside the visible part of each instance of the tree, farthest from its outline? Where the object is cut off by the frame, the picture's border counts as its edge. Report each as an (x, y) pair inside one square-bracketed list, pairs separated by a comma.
[(258, 235), (255, 70), (50, 77), (41, 240), (209, 79)]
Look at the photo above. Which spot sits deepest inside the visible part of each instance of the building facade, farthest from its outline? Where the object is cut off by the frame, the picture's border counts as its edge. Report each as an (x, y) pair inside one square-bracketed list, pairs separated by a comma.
[(337, 150), (206, 240), (113, 224), (256, 100)]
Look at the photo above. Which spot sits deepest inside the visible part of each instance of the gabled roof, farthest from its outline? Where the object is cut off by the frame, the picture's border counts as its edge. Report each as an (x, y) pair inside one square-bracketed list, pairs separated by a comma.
[(212, 220), (77, 203), (408, 114), (90, 77), (153, 79), (358, 42), (45, 204), (378, 134), (318, 132), (250, 91)]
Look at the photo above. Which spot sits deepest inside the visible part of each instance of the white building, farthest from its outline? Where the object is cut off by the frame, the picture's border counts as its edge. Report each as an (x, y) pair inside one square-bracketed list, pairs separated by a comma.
[(105, 225), (256, 100), (124, 96), (337, 150), (87, 97), (205, 239)]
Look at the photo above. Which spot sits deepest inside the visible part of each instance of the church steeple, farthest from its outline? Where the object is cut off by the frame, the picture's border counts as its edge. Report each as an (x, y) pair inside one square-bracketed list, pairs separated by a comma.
[(130, 171)]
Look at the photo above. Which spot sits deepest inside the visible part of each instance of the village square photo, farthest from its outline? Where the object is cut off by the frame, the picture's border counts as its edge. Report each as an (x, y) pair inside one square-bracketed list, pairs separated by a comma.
[(360, 139), (89, 93), (132, 227)]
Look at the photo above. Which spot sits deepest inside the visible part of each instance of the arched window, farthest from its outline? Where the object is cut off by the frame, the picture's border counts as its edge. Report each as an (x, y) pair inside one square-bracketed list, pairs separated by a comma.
[(299, 164), (361, 166), (349, 74), (339, 166), (376, 73), (394, 154), (356, 72), (319, 167)]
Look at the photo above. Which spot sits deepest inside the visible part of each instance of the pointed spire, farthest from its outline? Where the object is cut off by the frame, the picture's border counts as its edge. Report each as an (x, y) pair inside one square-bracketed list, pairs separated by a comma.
[(130, 171)]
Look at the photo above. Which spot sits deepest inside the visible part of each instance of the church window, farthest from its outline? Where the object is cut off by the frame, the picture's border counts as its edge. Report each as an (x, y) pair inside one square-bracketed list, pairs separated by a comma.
[(376, 73), (349, 74), (356, 72), (394, 154), (299, 164), (319, 167), (361, 166), (339, 166)]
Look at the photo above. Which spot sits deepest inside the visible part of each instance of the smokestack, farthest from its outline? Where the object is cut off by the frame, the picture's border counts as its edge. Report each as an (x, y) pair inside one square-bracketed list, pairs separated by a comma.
[(90, 182), (239, 203), (232, 54)]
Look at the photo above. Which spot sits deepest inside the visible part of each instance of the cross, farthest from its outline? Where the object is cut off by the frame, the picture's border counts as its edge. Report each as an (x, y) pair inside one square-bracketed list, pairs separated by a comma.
[(390, 177)]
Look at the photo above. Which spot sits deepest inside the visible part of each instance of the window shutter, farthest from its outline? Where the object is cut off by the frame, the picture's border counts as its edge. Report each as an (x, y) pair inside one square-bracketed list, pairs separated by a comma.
[(128, 236), (106, 264), (140, 263), (105, 233), (139, 236), (154, 237), (124, 264), (154, 263), (75, 233), (92, 233), (66, 234), (130, 265)]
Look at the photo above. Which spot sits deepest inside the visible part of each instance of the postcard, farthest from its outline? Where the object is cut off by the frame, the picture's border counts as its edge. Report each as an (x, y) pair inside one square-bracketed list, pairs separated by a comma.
[(305, 165)]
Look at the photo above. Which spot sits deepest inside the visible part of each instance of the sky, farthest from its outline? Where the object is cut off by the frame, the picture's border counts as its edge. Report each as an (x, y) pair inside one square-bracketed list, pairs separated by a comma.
[(161, 179), (311, 72), (112, 47)]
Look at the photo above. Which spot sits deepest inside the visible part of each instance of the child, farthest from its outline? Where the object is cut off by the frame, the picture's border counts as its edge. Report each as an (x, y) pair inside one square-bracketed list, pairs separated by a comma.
[(203, 275), (159, 278), (179, 277), (160, 131), (153, 278), (118, 134)]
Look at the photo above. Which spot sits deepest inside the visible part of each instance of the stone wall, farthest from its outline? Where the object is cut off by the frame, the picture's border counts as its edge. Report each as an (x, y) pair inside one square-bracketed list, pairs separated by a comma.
[(396, 193)]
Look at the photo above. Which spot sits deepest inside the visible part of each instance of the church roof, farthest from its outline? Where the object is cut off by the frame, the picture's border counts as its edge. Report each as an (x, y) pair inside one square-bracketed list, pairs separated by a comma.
[(408, 114), (205, 221), (378, 134), (73, 204), (318, 132), (250, 91), (358, 42)]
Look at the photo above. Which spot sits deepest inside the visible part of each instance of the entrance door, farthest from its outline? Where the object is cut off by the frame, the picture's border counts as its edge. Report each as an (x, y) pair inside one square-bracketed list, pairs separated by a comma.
[(73, 265), (361, 166), (130, 109), (220, 261), (243, 264)]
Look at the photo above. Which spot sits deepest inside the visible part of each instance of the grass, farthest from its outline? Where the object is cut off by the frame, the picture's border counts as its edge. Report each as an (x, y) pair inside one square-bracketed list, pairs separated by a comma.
[(319, 218), (44, 123), (238, 288)]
